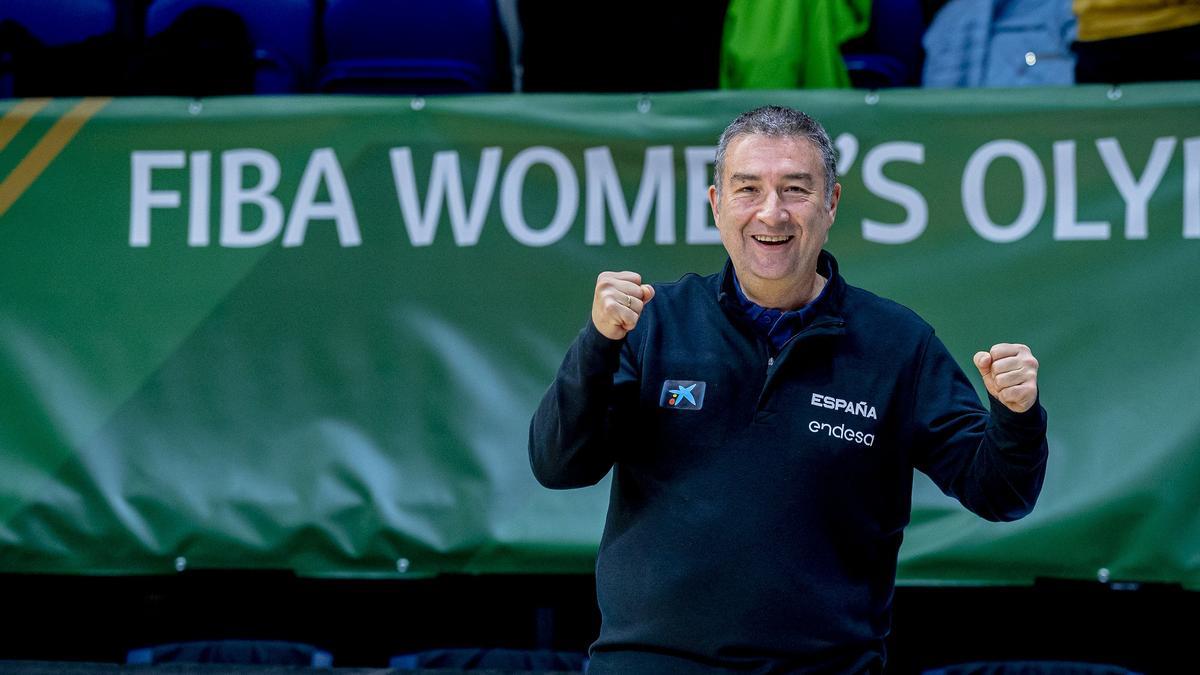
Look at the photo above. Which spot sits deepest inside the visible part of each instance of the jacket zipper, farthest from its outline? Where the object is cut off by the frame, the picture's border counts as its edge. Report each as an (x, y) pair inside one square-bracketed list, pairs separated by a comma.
[(808, 331), (829, 323)]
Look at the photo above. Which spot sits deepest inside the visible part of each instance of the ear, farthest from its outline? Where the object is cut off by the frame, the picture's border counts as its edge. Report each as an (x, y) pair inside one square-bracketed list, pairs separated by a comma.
[(712, 202), (833, 201)]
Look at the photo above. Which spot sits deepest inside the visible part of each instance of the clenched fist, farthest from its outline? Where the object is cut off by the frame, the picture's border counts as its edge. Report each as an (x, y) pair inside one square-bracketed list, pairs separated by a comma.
[(1010, 375), (619, 300)]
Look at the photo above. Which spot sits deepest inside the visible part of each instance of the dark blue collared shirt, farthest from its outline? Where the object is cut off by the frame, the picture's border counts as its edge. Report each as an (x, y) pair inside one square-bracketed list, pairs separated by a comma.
[(777, 325)]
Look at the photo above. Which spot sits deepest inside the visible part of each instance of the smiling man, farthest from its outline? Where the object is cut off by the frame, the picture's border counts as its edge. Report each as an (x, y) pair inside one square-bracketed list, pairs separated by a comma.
[(754, 523)]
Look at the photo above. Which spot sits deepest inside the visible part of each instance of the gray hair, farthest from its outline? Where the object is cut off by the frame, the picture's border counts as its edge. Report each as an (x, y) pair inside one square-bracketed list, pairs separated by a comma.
[(774, 120)]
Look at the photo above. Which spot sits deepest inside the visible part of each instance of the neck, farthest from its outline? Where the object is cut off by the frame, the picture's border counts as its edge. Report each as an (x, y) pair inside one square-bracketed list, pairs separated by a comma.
[(787, 298)]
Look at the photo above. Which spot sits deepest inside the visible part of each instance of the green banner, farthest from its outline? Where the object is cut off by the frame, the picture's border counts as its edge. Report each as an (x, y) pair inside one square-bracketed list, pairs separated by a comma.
[(309, 332)]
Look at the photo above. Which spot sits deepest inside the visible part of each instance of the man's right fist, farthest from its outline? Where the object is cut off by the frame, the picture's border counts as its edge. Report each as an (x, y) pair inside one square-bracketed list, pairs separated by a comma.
[(619, 300)]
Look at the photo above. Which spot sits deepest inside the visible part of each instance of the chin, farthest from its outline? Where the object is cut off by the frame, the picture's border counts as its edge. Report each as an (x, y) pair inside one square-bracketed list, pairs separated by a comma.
[(773, 274)]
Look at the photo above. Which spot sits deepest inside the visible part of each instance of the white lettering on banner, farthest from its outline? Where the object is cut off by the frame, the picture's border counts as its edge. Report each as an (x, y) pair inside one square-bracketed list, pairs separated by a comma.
[(603, 186), (1032, 177), (199, 181), (1191, 188), (445, 185), (914, 204), (700, 228), (1136, 192), (512, 211), (847, 151), (1066, 224), (322, 167), (250, 179), (142, 198), (234, 195)]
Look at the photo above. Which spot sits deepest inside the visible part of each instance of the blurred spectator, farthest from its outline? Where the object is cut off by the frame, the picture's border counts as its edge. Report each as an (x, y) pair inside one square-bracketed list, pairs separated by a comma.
[(207, 51), (890, 53), (451, 46), (59, 49), (1137, 40), (1000, 43), (619, 45), (274, 38), (784, 44)]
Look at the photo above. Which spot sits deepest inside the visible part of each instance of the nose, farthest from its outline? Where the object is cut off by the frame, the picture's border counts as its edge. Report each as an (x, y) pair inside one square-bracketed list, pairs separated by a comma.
[(773, 212)]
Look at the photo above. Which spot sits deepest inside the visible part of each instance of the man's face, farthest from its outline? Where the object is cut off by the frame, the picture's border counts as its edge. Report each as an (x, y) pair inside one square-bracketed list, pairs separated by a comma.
[(772, 213)]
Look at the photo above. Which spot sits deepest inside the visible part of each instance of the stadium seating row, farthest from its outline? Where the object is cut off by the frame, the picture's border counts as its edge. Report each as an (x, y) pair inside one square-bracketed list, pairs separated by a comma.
[(299, 654), (208, 47), (211, 47), (302, 655)]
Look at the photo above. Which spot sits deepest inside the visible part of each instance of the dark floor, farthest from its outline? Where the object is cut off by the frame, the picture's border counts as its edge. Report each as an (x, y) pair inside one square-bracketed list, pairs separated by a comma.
[(364, 622)]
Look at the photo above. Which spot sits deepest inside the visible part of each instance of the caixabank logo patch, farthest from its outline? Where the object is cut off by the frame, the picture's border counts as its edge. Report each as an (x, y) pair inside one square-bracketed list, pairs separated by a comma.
[(682, 395)]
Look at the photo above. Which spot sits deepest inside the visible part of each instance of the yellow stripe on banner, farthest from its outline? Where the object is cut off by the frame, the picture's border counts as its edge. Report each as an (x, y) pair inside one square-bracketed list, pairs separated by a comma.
[(47, 149), (16, 118)]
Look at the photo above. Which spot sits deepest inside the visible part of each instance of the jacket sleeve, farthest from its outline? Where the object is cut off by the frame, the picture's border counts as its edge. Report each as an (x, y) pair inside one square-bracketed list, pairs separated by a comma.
[(569, 436), (994, 464)]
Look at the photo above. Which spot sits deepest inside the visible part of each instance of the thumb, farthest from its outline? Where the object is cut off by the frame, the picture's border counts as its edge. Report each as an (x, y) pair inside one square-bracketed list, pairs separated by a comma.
[(983, 361), (647, 293)]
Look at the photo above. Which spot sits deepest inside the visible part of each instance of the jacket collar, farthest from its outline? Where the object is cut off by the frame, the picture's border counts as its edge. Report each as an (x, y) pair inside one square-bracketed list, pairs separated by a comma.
[(828, 304)]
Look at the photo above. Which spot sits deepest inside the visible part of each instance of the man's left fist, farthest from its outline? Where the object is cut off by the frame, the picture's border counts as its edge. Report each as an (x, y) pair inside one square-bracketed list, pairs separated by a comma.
[(1010, 375)]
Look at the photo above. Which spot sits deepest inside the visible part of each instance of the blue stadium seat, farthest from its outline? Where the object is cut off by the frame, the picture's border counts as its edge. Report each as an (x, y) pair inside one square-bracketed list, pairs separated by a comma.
[(281, 34), (890, 54), (412, 47), (58, 47), (621, 45), (243, 652), (60, 22), (1030, 668), (510, 660)]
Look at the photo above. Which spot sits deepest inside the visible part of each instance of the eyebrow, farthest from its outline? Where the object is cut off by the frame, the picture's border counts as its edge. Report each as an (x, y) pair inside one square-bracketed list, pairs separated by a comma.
[(749, 177)]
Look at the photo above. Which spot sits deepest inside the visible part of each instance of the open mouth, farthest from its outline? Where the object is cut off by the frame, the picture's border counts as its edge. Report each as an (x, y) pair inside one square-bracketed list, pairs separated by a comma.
[(772, 239)]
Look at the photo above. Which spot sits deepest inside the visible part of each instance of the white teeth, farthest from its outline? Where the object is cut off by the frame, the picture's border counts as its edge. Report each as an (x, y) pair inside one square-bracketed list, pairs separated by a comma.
[(768, 239)]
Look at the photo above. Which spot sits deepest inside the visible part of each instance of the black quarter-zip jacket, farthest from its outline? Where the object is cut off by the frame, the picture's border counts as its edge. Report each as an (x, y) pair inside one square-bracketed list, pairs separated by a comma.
[(758, 530)]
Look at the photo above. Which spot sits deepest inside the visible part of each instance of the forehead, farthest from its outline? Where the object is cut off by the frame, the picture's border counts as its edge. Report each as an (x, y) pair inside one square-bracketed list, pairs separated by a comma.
[(763, 156)]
